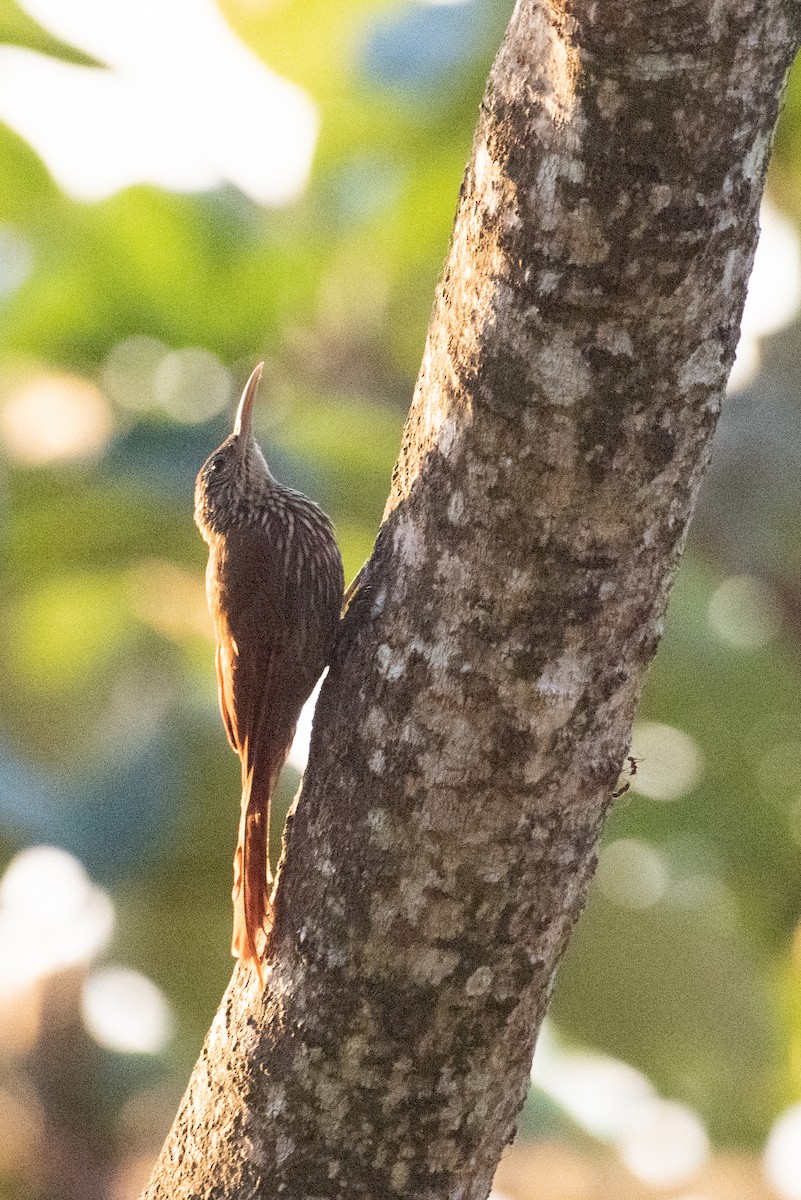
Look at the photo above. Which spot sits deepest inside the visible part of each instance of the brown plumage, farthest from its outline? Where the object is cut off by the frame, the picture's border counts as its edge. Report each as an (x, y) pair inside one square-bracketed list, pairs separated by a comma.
[(274, 585)]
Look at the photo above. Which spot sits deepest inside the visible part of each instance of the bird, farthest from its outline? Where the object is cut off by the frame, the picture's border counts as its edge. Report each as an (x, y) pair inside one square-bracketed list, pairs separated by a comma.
[(274, 585)]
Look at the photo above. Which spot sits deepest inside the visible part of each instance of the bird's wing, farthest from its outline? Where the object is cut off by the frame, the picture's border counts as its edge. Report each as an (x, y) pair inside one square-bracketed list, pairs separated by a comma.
[(269, 658), (225, 691)]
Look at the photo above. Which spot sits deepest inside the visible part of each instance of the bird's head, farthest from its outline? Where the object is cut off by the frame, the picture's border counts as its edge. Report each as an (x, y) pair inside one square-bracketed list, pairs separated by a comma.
[(231, 478)]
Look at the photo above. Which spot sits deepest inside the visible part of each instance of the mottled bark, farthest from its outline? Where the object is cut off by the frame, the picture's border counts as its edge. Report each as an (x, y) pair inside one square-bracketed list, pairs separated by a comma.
[(480, 702)]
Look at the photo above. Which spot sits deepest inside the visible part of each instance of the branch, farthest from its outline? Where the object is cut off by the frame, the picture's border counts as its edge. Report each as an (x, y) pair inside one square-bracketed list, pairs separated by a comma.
[(480, 703)]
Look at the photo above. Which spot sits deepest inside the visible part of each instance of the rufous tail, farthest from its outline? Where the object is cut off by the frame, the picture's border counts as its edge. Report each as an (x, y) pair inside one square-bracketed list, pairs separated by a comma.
[(252, 876)]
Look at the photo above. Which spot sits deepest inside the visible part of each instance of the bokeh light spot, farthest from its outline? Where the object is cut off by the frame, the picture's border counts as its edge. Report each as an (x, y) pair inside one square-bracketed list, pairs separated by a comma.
[(670, 763), (51, 917), (782, 1158), (16, 259), (129, 373), (743, 612), (665, 1145), (53, 417), (632, 873), (601, 1093), (183, 121), (192, 385), (125, 1011), (774, 291)]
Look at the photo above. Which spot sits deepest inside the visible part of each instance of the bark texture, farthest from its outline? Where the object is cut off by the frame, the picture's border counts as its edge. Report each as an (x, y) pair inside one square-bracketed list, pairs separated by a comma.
[(479, 706)]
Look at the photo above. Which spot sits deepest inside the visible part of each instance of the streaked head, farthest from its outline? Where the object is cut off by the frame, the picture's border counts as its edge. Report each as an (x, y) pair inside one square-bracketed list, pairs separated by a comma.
[(235, 470)]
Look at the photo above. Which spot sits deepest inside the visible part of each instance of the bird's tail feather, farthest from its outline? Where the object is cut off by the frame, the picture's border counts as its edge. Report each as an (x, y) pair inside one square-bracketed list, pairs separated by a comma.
[(252, 877)]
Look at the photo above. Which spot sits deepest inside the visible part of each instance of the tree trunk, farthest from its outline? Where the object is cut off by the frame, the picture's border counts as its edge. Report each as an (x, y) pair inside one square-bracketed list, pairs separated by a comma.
[(479, 706)]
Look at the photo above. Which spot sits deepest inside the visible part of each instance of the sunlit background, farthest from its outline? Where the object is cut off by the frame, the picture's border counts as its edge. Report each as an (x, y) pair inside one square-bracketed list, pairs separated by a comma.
[(187, 189)]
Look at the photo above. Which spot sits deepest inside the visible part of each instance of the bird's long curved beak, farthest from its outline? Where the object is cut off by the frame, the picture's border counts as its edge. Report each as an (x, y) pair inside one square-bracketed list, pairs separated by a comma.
[(244, 414)]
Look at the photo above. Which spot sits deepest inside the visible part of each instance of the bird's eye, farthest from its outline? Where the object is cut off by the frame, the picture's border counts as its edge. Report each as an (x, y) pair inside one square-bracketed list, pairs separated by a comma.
[(216, 462)]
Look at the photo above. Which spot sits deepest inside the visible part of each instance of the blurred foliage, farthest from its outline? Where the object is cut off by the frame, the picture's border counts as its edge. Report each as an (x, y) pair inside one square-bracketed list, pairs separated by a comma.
[(110, 742)]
